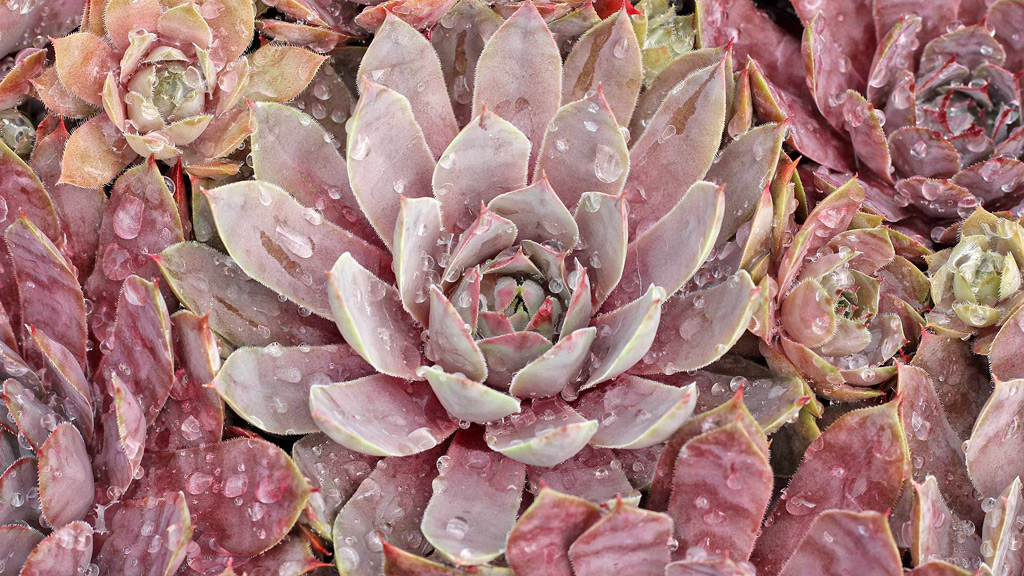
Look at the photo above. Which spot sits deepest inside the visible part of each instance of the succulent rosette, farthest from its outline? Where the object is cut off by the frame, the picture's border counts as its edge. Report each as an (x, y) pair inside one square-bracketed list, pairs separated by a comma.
[(171, 80)]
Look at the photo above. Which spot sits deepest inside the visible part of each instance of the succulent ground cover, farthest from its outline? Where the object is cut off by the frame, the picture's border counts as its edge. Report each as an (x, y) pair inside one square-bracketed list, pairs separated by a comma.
[(434, 287)]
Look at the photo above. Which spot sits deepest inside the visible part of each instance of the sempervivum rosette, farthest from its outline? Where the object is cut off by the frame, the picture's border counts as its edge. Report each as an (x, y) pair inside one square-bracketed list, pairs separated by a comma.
[(493, 278), (165, 79)]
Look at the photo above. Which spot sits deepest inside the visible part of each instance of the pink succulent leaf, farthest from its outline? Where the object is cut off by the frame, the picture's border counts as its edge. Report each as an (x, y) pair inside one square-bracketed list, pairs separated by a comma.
[(896, 49), (251, 376), (395, 484), (990, 451), (19, 479), (937, 568), (18, 541), (335, 473), (923, 152), (83, 61), (960, 378), (525, 92), (998, 182), (934, 20), (467, 399), (1007, 17), (275, 493), (370, 316), (122, 17), (280, 73), (292, 557), (833, 539), (965, 46), (668, 78), (65, 477), (23, 23), (485, 238), (15, 84), (231, 22), (420, 14), (604, 233), (57, 98), (721, 487), (593, 474), (588, 66), (581, 305), (239, 309), (809, 133), (146, 536), (624, 336), (829, 72), (402, 60), (290, 150), (50, 296), (558, 367), (466, 296), (67, 550), (124, 437), (933, 442), (934, 197), (507, 354), (281, 248), (709, 567), (838, 473), (1004, 355), (459, 530), (627, 538), (193, 414), (744, 169), (677, 147), (23, 193), (317, 39), (381, 415), (67, 381), (538, 213), (1001, 532), (539, 543), (635, 412), (545, 433), (936, 532), (398, 562), (772, 401), (701, 212), (488, 158), (862, 122), (698, 328), (472, 24), (417, 249), (852, 28), (7, 336), (382, 129), (32, 417), (184, 27)]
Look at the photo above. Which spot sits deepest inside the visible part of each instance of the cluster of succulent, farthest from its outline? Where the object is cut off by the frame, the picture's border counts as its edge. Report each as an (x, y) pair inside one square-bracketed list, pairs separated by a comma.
[(511, 288)]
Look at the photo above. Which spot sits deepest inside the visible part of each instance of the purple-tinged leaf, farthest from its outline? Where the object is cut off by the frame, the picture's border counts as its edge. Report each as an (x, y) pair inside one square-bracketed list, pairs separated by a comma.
[(545, 433), (398, 562), (698, 328), (668, 78), (634, 412), (624, 336), (146, 537), (18, 541), (589, 67), (1002, 532), (507, 354), (16, 484), (1004, 356), (269, 234), (862, 122), (835, 541), (381, 415), (15, 85), (772, 401), (370, 316), (1007, 17), (838, 472), (417, 250), (593, 474), (627, 539), (555, 369), (459, 43), (123, 442), (67, 550), (993, 457), (709, 567), (35, 420), (67, 381), (239, 309), (538, 213), (388, 503), (937, 568), (524, 91), (401, 59), (934, 20), (923, 152), (959, 377), (999, 182), (539, 543), (851, 27), (935, 198), (65, 477), (936, 532), (901, 29), (467, 399), (269, 387), (388, 158), (274, 495), (677, 147), (291, 150), (721, 487), (701, 213), (488, 158), (335, 473), (475, 501), (604, 234), (485, 238), (970, 47), (140, 218), (829, 74)]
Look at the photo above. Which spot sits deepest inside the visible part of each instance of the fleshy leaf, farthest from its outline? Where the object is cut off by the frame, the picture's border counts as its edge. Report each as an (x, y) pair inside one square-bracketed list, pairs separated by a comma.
[(467, 399), (545, 433), (33, 418), (459, 49), (67, 381), (280, 73), (829, 73), (835, 541), (667, 78), (146, 537), (67, 550), (594, 474), (923, 152), (588, 66), (992, 454), (627, 539), (624, 336), (23, 193), (96, 152), (539, 543), (335, 473), (557, 368), (508, 353), (82, 62), (417, 249), (1001, 532), (1007, 362), (18, 541), (16, 482), (635, 412), (936, 532), (65, 477), (602, 221), (538, 214), (486, 237)]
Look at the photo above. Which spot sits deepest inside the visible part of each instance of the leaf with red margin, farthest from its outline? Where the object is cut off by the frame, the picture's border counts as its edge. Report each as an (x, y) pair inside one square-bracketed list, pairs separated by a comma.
[(122, 447), (865, 129), (588, 66), (193, 414), (937, 533), (140, 218), (146, 537), (65, 551), (591, 474), (396, 484), (539, 543), (836, 541), (269, 387), (923, 152), (398, 562), (239, 309), (15, 86), (627, 540), (274, 495), (66, 484), (18, 541), (1002, 532), (721, 487), (335, 473), (67, 382), (381, 415), (475, 501), (140, 351), (838, 472), (268, 234), (16, 482), (995, 452), (33, 418)]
